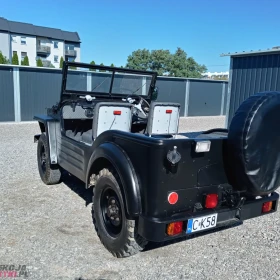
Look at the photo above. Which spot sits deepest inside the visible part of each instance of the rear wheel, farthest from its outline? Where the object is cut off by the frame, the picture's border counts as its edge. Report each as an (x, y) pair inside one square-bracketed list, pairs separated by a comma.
[(50, 174), (117, 233)]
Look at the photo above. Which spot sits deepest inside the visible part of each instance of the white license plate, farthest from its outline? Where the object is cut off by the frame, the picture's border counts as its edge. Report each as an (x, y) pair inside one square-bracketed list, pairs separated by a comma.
[(202, 223)]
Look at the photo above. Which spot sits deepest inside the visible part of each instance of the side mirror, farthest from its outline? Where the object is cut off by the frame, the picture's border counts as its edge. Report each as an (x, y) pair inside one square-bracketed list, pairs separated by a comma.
[(154, 94)]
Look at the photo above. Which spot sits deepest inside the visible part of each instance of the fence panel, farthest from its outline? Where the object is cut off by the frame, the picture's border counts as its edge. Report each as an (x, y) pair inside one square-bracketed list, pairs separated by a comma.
[(7, 110), (39, 90), (205, 98), (172, 90)]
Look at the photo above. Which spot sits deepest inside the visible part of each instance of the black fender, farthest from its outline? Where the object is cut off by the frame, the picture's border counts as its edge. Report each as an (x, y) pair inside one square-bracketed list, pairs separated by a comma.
[(122, 164), (49, 126)]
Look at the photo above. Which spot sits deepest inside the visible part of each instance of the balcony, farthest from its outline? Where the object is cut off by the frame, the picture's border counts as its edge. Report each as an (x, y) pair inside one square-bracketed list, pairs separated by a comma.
[(43, 49), (70, 53)]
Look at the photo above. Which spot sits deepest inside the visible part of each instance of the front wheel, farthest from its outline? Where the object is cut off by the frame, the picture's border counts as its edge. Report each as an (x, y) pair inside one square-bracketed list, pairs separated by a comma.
[(50, 174), (117, 233)]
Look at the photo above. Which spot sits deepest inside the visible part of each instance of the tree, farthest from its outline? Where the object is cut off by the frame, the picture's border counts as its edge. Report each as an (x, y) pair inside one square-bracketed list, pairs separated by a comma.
[(101, 64), (112, 65), (3, 59), (61, 62), (15, 59), (39, 63), (139, 59), (160, 61), (166, 63), (92, 63), (25, 61)]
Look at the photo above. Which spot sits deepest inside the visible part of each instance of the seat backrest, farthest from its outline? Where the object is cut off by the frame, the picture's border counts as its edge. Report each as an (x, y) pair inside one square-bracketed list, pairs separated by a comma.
[(163, 118), (111, 115), (78, 113)]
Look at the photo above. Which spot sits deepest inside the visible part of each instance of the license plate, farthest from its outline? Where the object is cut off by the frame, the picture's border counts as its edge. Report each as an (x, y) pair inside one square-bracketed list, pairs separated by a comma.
[(202, 223)]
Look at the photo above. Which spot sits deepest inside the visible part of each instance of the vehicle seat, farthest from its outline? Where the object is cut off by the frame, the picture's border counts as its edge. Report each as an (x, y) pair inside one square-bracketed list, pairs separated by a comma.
[(163, 118), (77, 122), (110, 116)]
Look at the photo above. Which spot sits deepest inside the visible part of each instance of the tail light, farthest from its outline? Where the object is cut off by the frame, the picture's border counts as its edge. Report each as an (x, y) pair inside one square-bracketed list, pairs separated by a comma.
[(267, 206), (174, 228), (168, 111), (117, 113), (211, 200)]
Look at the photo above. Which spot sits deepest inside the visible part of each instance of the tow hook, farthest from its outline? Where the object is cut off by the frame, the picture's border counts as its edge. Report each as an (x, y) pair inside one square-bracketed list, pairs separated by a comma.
[(239, 207)]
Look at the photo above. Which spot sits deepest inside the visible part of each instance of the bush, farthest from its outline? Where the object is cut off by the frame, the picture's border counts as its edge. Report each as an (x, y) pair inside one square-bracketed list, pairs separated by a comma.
[(25, 61), (3, 59), (39, 63), (15, 59), (61, 62)]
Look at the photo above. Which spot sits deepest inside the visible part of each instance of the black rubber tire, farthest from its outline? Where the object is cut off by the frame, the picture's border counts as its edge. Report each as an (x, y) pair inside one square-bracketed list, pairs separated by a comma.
[(51, 174), (128, 242)]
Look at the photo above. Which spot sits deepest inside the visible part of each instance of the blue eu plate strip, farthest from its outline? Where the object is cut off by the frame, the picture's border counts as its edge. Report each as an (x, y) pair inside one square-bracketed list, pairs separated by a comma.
[(189, 228)]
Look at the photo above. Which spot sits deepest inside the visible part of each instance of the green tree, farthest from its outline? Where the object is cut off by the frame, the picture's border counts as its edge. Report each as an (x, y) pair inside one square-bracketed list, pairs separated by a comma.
[(39, 63), (101, 64), (112, 65), (139, 59), (3, 59), (25, 61), (15, 59), (166, 63), (61, 62), (160, 61), (92, 63)]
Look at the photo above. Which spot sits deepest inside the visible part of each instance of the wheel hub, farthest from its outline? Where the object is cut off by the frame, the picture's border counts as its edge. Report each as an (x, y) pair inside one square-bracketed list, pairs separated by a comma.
[(113, 211)]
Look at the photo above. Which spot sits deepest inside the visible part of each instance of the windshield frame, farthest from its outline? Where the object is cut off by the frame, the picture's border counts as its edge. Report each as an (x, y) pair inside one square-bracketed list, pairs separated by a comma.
[(67, 93)]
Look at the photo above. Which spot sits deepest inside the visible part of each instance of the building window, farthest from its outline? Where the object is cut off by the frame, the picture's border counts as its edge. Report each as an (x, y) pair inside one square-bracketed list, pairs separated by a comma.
[(56, 58), (23, 55), (23, 40), (55, 45), (14, 38), (70, 47)]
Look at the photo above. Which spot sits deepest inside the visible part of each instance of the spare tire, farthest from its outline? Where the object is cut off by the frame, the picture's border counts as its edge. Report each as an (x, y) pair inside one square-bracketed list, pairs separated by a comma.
[(253, 148)]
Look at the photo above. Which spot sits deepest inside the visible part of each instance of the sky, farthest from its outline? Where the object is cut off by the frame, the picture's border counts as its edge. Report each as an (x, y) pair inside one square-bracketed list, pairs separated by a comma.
[(110, 30)]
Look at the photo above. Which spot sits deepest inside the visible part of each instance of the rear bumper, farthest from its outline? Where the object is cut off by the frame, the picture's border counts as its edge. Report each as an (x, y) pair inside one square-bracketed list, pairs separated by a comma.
[(154, 229)]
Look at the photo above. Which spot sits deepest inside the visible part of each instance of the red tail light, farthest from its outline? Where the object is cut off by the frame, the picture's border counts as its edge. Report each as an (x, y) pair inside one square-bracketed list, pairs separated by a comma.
[(174, 228), (211, 200), (168, 111), (117, 112), (267, 206)]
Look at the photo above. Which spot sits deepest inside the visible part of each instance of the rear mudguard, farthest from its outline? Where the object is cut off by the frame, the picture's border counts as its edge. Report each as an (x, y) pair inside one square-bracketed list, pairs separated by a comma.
[(122, 164)]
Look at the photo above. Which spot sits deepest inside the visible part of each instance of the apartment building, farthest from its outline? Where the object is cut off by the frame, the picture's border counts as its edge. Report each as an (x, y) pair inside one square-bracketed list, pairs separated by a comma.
[(48, 44)]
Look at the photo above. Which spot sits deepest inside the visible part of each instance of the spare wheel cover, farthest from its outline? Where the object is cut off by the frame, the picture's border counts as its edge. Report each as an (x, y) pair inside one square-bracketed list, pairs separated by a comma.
[(254, 144)]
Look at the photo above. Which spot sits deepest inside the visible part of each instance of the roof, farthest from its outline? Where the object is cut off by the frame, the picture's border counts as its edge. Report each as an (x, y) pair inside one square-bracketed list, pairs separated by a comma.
[(257, 52), (34, 30)]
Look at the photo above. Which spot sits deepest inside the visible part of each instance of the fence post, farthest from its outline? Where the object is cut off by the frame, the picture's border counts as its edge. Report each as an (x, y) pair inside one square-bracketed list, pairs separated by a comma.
[(89, 81), (229, 93), (187, 97), (16, 82), (223, 98)]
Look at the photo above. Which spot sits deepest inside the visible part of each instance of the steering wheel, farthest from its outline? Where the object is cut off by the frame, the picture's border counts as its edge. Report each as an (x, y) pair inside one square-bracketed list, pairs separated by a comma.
[(142, 106)]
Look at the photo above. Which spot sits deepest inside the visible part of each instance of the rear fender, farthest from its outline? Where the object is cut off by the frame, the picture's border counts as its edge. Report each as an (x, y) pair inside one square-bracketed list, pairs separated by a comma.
[(49, 126), (122, 164)]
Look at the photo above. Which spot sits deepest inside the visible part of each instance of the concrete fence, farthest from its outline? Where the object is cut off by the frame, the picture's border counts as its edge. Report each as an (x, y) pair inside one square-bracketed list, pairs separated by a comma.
[(26, 91)]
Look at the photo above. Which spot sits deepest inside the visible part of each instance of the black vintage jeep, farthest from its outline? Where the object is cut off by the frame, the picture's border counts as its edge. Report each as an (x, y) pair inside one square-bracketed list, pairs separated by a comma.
[(151, 183)]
